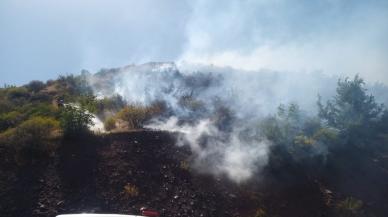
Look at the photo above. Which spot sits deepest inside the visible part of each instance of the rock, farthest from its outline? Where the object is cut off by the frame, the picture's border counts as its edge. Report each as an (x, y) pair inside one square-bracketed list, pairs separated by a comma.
[(232, 195)]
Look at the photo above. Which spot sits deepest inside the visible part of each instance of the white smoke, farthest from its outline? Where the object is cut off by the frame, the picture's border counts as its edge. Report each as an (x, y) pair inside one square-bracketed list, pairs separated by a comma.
[(215, 151), (96, 125), (217, 110), (220, 154), (245, 91), (224, 107)]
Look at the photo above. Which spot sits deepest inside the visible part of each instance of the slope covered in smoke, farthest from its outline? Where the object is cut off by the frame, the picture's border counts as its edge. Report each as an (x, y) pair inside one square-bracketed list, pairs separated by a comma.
[(261, 91), (264, 90), (220, 111), (235, 143)]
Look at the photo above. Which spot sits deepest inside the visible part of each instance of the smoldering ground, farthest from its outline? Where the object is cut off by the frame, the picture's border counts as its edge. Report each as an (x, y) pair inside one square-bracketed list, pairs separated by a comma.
[(218, 111)]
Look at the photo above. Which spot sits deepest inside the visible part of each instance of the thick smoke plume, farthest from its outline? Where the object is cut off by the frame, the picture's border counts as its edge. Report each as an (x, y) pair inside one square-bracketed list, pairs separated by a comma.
[(216, 111), (218, 152)]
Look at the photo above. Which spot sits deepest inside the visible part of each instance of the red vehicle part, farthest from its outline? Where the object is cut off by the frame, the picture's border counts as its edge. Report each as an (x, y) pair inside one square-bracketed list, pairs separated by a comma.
[(149, 213)]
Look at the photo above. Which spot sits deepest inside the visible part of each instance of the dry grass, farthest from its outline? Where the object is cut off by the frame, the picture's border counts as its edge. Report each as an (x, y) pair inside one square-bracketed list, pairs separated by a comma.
[(130, 191)]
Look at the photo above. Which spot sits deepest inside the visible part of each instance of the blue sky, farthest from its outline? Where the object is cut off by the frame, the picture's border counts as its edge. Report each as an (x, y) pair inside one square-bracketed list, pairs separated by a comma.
[(42, 39)]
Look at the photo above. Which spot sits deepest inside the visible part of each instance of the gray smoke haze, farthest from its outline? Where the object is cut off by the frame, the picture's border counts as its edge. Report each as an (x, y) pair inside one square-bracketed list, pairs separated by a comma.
[(237, 60), (217, 110), (41, 39), (245, 92), (333, 36), (218, 152)]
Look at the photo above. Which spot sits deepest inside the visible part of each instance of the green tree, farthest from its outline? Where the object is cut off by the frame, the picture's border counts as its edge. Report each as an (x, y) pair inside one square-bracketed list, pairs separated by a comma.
[(75, 121), (88, 102), (352, 110)]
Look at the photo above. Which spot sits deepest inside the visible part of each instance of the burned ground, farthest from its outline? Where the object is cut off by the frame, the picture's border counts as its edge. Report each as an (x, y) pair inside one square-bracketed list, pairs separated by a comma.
[(121, 172)]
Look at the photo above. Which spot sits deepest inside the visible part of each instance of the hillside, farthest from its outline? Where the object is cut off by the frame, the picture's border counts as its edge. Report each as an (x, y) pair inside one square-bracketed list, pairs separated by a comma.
[(188, 144), (119, 173)]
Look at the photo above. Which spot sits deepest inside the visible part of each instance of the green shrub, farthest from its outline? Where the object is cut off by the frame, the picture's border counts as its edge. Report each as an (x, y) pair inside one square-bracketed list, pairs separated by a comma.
[(37, 129), (7, 137), (41, 97), (15, 93), (74, 85), (137, 115), (10, 119), (110, 123), (40, 109), (349, 207), (35, 86), (32, 139), (75, 121), (88, 102), (5, 106), (134, 115)]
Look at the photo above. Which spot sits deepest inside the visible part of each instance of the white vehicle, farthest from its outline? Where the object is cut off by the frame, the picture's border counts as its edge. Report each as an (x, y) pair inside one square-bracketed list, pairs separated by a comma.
[(97, 215), (144, 213)]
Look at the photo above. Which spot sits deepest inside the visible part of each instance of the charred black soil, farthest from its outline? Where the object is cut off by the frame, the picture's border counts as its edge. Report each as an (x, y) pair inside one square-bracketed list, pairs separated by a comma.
[(119, 173)]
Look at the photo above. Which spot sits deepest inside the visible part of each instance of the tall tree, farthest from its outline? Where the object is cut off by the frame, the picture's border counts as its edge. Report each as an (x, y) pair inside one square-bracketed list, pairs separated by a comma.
[(352, 110)]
